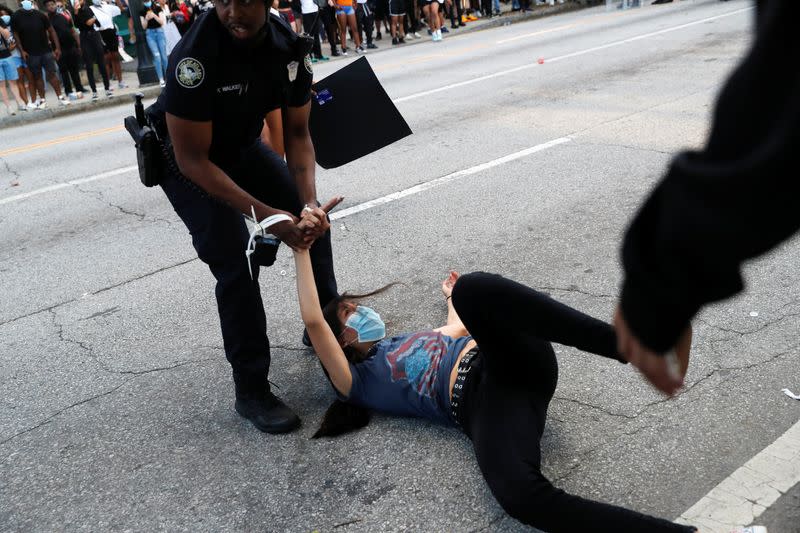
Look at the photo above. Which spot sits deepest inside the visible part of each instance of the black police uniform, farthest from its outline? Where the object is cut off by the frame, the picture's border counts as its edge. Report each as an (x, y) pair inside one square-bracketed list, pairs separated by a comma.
[(211, 78)]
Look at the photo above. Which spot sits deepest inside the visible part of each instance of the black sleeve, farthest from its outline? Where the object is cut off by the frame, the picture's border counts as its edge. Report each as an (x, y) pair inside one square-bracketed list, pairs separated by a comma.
[(733, 200), (189, 93), (45, 20), (82, 17)]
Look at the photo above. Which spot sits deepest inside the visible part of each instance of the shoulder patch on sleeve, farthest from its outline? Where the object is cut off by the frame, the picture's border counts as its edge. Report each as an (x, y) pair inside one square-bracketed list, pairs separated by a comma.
[(307, 63), (190, 73)]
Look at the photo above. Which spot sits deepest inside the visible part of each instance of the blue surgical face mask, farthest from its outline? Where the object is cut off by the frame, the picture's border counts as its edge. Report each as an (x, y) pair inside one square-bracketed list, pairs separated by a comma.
[(367, 323), (27, 5), (6, 19), (148, 4), (97, 2)]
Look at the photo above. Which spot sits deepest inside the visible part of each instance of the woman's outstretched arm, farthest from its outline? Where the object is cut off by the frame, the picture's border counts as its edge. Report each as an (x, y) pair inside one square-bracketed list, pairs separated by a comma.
[(325, 343)]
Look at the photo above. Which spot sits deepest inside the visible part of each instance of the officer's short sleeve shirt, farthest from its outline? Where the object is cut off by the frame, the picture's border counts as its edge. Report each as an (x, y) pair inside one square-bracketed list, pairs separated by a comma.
[(212, 78)]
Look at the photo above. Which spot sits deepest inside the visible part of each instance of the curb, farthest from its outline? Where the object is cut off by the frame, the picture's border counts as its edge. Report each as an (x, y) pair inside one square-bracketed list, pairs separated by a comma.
[(29, 117), (508, 18)]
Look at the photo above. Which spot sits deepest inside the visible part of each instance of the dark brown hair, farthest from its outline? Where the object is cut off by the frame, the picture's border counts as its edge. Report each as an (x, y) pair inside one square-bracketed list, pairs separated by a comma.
[(343, 417)]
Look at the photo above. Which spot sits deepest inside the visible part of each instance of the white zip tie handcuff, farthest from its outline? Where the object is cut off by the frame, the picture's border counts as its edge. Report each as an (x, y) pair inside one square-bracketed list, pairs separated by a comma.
[(260, 228)]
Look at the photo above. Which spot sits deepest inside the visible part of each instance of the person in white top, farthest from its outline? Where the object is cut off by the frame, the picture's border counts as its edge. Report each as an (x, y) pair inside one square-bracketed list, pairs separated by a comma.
[(312, 25), (105, 13)]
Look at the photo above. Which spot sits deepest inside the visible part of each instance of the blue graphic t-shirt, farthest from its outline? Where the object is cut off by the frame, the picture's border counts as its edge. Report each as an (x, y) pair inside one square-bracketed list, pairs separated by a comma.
[(408, 375)]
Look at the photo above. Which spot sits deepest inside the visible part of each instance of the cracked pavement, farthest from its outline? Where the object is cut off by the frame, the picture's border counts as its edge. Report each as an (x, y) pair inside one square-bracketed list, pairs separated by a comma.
[(116, 404)]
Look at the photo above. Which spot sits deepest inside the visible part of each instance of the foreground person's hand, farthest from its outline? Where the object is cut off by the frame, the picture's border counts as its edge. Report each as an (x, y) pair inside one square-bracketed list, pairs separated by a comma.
[(664, 371)]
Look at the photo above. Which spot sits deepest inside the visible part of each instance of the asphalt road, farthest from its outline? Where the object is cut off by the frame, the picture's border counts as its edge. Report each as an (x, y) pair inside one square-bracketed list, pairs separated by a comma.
[(116, 404)]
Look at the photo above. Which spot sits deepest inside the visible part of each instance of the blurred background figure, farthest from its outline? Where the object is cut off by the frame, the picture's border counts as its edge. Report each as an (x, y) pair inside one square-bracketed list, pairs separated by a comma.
[(70, 61), (154, 18), (365, 20), (8, 65), (312, 25), (40, 49), (91, 46)]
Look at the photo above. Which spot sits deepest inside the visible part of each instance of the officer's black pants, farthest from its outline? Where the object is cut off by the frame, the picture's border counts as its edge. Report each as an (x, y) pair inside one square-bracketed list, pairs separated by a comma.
[(365, 21), (70, 66), (506, 402), (219, 236)]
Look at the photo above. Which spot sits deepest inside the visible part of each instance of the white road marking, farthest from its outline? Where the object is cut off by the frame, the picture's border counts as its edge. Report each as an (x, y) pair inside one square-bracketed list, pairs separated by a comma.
[(447, 179), (567, 56), (72, 183), (350, 210), (741, 498)]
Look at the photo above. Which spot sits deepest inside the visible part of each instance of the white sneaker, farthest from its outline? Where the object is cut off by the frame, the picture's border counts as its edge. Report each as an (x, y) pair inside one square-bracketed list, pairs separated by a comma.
[(122, 85), (63, 100), (22, 107), (95, 97), (11, 110), (31, 106), (41, 104), (162, 83), (109, 93), (417, 35), (750, 529)]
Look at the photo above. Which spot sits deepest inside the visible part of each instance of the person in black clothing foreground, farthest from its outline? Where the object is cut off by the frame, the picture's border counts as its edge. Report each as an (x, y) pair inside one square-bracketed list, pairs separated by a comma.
[(731, 201), (233, 66)]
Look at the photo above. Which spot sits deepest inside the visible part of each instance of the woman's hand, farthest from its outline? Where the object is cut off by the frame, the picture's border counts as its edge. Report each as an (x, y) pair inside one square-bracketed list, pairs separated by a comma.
[(314, 221), (448, 283)]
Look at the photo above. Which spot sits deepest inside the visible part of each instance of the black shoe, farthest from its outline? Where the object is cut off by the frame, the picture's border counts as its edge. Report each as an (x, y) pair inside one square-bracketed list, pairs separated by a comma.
[(378, 37), (265, 410), (372, 46), (401, 41), (306, 339), (394, 40), (335, 53)]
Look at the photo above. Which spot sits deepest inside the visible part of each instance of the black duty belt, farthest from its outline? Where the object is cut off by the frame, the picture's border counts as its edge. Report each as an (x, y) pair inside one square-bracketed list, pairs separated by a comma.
[(465, 366)]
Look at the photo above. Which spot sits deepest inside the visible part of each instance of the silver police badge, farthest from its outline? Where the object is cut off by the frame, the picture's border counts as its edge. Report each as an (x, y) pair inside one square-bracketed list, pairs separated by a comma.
[(307, 63), (190, 73), (292, 68)]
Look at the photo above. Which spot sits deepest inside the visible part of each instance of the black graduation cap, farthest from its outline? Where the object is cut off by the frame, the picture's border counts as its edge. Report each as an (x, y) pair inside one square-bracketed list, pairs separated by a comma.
[(353, 98)]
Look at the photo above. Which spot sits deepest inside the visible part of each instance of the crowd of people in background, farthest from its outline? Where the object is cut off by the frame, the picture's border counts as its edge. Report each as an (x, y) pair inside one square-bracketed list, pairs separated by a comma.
[(57, 40)]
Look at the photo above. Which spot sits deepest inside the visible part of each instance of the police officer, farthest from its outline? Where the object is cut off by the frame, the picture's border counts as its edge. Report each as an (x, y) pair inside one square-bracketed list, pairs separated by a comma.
[(234, 65)]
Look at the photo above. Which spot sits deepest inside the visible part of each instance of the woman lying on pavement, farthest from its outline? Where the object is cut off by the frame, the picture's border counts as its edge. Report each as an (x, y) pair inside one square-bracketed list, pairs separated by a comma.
[(490, 371)]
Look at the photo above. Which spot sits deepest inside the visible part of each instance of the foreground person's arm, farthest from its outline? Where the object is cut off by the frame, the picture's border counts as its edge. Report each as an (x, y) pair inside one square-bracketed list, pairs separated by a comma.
[(325, 343), (191, 141)]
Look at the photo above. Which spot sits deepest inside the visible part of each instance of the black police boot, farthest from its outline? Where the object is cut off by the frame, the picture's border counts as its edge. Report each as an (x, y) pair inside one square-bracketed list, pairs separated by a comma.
[(265, 410)]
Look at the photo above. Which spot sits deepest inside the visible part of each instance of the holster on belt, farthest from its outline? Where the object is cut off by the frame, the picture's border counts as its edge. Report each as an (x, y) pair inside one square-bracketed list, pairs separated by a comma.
[(149, 153)]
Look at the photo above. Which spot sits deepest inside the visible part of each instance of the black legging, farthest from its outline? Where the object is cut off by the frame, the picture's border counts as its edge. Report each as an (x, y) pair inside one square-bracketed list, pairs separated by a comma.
[(70, 66), (94, 54), (365, 21), (506, 402), (328, 17), (311, 25)]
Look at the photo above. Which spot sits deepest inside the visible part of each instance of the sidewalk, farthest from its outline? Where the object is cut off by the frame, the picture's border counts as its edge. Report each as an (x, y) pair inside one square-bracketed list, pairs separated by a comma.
[(125, 96)]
